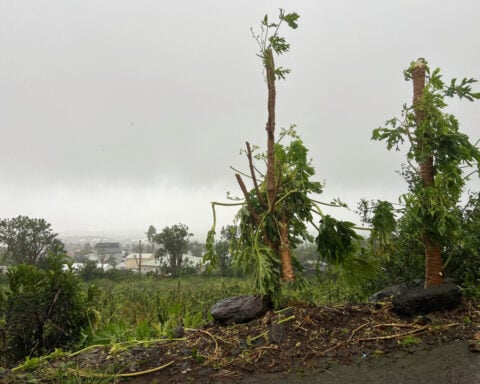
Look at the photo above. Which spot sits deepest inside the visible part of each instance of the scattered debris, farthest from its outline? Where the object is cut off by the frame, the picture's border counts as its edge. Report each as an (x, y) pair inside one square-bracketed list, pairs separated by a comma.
[(301, 337)]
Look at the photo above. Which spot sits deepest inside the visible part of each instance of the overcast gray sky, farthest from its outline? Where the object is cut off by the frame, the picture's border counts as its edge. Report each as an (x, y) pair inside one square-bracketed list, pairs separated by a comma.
[(117, 114)]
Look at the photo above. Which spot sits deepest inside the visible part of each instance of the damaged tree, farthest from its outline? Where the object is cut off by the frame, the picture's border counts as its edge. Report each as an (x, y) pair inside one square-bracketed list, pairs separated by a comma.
[(275, 212), (441, 154)]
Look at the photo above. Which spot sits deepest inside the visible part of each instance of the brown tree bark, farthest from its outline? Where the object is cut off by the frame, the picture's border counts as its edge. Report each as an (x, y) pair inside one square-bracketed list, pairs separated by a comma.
[(285, 251), (270, 128), (433, 257), (433, 263)]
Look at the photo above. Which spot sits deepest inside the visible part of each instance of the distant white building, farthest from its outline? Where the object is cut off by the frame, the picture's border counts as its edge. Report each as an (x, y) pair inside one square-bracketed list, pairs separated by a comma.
[(108, 251), (133, 260), (75, 267), (150, 264)]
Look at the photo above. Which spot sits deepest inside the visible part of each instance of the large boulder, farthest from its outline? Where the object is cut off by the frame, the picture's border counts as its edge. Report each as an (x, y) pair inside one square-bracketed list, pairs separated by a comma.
[(419, 300), (411, 298), (240, 309), (395, 290)]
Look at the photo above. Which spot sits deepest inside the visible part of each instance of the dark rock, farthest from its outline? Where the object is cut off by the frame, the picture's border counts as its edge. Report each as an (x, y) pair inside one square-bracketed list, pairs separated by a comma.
[(179, 332), (240, 309), (395, 290), (419, 300), (277, 333), (242, 346)]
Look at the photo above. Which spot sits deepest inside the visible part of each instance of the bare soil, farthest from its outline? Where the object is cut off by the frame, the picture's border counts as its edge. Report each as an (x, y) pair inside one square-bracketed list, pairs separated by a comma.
[(364, 343)]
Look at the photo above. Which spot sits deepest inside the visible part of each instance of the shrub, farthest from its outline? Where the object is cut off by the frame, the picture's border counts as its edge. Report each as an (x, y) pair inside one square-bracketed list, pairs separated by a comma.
[(43, 309)]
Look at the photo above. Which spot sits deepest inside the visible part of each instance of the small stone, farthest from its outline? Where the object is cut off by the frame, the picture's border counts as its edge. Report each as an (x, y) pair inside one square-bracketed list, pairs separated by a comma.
[(277, 333), (474, 345), (179, 332), (241, 348)]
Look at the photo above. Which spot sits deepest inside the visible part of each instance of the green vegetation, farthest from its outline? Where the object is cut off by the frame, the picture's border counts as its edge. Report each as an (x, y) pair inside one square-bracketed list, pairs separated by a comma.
[(173, 242), (440, 153), (42, 309), (132, 310), (410, 340), (150, 308), (26, 240), (276, 211)]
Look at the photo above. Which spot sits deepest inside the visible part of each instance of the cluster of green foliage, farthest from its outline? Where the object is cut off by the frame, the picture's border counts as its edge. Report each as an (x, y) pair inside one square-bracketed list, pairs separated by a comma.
[(438, 155), (403, 258), (91, 271), (173, 242), (293, 202), (224, 248), (437, 136), (27, 240), (42, 309), (463, 256)]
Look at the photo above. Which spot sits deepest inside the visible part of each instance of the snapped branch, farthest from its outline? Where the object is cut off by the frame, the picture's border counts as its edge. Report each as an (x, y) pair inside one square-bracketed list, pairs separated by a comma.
[(254, 177), (247, 199)]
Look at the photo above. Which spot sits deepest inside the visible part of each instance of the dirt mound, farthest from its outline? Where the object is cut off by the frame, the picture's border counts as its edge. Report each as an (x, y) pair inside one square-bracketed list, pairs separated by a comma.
[(354, 343)]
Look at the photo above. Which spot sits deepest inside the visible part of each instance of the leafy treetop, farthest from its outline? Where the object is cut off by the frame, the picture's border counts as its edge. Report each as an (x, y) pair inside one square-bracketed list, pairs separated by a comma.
[(27, 239)]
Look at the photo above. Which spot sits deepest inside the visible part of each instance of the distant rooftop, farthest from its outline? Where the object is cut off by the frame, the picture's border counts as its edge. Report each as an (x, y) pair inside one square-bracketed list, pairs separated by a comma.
[(106, 245)]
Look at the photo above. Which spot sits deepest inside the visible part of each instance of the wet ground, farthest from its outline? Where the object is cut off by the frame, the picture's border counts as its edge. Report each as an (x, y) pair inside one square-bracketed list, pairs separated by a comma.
[(450, 363), (361, 343)]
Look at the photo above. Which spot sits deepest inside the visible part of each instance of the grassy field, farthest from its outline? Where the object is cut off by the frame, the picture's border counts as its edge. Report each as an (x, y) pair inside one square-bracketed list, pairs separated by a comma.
[(146, 308), (135, 310), (149, 308)]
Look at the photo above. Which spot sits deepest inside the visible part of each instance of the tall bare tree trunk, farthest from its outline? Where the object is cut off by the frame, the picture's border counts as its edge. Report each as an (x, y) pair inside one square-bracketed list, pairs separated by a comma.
[(270, 128), (433, 258), (284, 248), (285, 251)]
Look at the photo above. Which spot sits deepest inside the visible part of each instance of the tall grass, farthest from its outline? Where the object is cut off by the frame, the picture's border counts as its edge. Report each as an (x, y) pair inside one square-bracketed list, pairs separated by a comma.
[(149, 308)]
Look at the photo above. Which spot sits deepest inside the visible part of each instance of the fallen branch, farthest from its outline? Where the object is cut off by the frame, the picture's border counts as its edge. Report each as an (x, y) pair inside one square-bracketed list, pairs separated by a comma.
[(396, 335), (356, 330), (84, 373), (208, 334)]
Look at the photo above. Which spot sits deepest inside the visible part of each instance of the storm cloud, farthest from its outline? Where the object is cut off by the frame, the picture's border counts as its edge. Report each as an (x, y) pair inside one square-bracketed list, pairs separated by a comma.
[(121, 114)]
